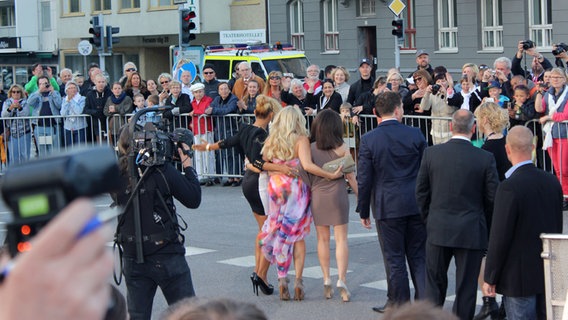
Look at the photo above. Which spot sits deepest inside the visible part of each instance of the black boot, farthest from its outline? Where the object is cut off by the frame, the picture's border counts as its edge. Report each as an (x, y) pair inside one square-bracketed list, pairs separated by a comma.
[(502, 315), (489, 308)]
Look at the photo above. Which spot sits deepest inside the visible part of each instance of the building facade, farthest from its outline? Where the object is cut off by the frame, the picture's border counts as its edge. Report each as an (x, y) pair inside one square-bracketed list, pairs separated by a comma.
[(453, 32), (28, 34)]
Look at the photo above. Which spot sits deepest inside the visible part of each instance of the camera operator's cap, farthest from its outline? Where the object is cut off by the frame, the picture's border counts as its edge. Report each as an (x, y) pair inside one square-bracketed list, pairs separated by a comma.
[(365, 60), (494, 84), (421, 52), (196, 87)]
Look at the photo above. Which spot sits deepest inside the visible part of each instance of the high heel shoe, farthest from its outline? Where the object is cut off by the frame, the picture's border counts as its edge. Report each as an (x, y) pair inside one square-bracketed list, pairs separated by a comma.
[(253, 277), (327, 289), (265, 287), (343, 291), (283, 287), (299, 289)]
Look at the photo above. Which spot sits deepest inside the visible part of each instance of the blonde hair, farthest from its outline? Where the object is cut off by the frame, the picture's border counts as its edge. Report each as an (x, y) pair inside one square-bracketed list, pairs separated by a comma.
[(289, 124), (265, 106), (342, 69), (497, 117)]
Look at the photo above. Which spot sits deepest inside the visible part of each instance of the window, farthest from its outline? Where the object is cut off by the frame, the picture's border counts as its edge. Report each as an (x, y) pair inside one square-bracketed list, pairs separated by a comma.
[(365, 8), (7, 18), (296, 8), (447, 25), (540, 22), (409, 30), (102, 5), (45, 16), (161, 3), (331, 35), (492, 25), (71, 6), (130, 4)]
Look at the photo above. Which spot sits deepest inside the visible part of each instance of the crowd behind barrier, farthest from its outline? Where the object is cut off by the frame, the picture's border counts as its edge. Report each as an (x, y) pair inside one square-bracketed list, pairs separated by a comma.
[(218, 164)]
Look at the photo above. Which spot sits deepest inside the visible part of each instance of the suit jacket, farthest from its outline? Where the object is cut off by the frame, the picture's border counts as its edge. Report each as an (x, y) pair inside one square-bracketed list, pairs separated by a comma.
[(527, 204), (455, 190), (389, 159)]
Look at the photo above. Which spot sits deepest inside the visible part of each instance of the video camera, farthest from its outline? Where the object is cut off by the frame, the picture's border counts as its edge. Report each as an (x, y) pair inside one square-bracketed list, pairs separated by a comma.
[(37, 190), (152, 143)]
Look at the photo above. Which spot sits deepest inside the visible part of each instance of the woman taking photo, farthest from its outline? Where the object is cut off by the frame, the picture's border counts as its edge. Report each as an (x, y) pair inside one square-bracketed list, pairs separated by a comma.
[(74, 124), (289, 215), (554, 104), (20, 130), (326, 99), (330, 204)]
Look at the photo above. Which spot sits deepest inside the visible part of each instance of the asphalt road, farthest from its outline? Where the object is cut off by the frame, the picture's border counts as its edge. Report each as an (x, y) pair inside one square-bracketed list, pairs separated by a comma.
[(221, 240)]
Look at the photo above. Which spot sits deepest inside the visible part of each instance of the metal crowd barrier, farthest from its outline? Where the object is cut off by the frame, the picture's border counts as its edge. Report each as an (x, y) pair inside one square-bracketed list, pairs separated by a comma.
[(223, 163), (555, 259)]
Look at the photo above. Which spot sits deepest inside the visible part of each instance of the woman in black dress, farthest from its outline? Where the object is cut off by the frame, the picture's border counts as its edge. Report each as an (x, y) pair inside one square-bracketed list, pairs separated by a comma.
[(491, 121), (250, 138)]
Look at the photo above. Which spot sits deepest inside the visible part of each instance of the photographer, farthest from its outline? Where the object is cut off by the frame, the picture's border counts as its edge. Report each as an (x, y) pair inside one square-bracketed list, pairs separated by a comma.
[(560, 52), (538, 64), (163, 260), (441, 98)]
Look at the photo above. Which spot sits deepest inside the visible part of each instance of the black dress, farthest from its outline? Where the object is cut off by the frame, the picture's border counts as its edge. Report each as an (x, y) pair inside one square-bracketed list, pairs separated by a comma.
[(250, 138), (497, 148)]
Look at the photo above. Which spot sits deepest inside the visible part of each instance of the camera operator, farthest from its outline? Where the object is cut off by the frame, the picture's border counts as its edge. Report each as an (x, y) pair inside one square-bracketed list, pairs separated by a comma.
[(560, 52), (164, 262), (538, 64)]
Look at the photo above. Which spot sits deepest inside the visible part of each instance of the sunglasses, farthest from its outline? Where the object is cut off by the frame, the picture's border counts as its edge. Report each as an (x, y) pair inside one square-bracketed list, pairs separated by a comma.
[(275, 78), (131, 70), (18, 91), (164, 82), (209, 72), (417, 79)]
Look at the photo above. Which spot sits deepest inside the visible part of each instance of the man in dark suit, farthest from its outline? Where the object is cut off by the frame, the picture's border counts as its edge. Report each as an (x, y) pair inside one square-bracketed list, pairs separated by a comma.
[(389, 159), (455, 189), (527, 203)]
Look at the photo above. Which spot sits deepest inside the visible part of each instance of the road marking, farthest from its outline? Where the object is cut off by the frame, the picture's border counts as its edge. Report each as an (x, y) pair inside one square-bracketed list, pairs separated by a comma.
[(193, 251), (358, 235), (246, 261)]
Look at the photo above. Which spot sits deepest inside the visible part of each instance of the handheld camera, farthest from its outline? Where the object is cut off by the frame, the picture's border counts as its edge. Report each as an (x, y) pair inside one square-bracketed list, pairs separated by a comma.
[(37, 190)]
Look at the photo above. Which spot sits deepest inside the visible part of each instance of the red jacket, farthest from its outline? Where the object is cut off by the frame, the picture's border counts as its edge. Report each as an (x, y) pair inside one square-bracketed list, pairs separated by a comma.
[(201, 125)]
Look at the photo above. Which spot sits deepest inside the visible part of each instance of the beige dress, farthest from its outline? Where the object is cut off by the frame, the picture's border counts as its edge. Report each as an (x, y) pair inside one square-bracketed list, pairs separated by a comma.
[(330, 204)]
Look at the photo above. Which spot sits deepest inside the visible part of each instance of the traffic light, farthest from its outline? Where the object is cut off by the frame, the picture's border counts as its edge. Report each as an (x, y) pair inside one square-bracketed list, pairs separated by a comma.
[(398, 28), (110, 40), (186, 25), (97, 31)]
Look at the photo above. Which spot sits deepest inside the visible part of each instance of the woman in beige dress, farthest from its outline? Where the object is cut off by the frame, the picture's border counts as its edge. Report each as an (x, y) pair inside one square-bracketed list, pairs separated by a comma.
[(330, 204)]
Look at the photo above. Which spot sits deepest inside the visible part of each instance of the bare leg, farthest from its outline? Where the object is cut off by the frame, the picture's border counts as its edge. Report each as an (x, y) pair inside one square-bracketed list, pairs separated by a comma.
[(323, 235), (261, 265), (299, 258), (341, 250)]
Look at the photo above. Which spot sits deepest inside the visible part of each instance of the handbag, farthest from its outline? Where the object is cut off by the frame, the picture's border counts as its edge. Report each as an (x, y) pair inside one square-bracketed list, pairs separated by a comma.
[(346, 161)]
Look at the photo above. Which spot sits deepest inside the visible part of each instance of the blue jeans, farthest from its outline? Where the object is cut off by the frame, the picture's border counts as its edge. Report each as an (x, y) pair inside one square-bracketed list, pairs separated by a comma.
[(168, 271), (75, 137), (19, 148), (47, 139), (525, 308)]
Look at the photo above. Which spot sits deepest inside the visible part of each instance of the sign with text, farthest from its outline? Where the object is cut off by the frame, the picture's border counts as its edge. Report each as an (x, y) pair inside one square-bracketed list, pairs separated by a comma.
[(242, 36)]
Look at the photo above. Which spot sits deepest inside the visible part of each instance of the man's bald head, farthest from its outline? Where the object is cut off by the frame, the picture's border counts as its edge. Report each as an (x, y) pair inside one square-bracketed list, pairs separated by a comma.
[(520, 143)]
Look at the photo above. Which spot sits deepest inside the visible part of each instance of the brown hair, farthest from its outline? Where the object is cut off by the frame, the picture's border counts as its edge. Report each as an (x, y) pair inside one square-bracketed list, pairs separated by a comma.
[(327, 130)]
